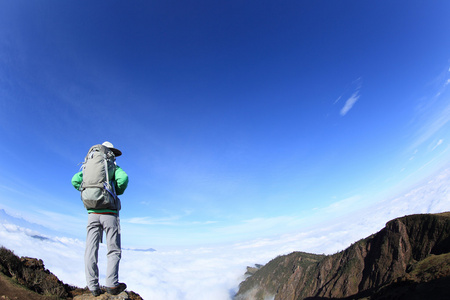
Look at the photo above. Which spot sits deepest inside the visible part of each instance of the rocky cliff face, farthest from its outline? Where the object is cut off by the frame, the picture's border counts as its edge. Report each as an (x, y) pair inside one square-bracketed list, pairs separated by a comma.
[(370, 268), (265, 281)]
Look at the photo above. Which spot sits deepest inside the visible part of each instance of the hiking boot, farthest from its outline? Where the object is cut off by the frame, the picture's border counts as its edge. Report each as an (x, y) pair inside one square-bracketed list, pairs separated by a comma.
[(117, 289), (96, 292)]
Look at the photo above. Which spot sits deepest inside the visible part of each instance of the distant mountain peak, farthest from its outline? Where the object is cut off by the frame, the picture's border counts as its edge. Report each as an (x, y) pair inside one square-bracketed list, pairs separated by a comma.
[(39, 230), (140, 250)]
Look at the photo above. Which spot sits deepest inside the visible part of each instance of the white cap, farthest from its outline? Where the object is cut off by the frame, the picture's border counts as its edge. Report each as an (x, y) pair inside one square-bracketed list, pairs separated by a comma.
[(116, 152)]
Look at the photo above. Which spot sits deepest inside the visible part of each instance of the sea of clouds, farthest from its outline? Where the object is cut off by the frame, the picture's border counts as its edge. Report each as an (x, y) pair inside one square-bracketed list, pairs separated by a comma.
[(214, 272)]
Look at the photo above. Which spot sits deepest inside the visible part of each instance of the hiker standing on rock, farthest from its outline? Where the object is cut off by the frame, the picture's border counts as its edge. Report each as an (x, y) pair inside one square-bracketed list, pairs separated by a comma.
[(100, 182)]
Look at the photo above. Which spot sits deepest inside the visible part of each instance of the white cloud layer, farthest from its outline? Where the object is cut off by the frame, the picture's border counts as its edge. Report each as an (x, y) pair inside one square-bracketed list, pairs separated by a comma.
[(214, 272)]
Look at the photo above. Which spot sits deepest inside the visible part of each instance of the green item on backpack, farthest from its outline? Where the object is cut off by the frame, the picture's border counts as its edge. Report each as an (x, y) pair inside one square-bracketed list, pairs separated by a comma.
[(98, 188)]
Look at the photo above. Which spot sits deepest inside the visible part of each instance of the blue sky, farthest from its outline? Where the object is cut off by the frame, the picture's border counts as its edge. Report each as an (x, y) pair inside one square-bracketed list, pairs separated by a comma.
[(237, 119)]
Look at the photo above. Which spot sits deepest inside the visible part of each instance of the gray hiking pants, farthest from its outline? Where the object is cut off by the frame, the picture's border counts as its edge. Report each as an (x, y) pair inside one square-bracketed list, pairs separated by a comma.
[(97, 223)]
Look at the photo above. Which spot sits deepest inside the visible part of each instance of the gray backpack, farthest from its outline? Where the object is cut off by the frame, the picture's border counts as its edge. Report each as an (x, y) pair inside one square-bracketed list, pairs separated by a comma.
[(97, 187)]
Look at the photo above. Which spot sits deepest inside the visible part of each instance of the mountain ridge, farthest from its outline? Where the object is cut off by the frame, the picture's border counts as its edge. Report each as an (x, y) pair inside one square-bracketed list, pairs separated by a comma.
[(33, 230), (385, 258)]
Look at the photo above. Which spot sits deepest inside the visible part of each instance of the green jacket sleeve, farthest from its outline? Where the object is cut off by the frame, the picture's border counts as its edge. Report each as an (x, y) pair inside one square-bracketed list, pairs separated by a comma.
[(121, 180), (77, 179)]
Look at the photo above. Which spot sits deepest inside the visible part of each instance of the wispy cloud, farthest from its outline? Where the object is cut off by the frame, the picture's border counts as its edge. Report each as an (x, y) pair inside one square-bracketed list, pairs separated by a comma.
[(171, 221), (439, 119), (350, 102), (435, 114), (437, 144), (153, 221), (345, 204), (355, 86), (443, 81), (337, 100)]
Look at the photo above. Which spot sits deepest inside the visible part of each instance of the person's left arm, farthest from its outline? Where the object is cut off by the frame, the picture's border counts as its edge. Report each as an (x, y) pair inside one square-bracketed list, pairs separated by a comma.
[(121, 180)]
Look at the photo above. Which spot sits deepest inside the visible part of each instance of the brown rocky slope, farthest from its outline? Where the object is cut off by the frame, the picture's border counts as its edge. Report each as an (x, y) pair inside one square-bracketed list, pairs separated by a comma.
[(408, 259), (26, 278)]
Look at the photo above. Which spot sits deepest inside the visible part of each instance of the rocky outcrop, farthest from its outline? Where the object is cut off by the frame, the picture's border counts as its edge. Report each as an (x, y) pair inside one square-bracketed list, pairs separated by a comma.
[(30, 272), (372, 267), (106, 296), (27, 278)]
